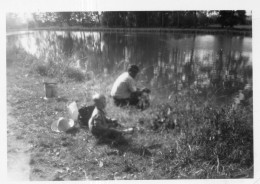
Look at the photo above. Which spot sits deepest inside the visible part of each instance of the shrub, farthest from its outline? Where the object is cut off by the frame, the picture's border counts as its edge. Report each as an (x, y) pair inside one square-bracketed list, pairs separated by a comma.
[(41, 69), (75, 74), (58, 67)]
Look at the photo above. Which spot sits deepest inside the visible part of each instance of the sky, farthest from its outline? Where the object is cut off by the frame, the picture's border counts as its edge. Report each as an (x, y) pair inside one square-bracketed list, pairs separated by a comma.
[(25, 17)]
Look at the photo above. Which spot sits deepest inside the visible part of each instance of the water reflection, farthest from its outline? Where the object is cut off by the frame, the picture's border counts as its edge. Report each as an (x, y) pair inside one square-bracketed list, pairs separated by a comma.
[(169, 62)]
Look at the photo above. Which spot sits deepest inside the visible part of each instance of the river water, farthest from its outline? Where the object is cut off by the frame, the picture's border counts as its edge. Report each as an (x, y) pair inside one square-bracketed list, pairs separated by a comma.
[(169, 62)]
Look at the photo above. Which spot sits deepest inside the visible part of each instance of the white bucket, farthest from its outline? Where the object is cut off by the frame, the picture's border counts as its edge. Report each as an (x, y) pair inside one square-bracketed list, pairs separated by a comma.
[(62, 125)]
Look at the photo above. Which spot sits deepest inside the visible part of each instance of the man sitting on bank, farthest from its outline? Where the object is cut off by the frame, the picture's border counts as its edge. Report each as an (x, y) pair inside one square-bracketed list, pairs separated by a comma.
[(124, 91)]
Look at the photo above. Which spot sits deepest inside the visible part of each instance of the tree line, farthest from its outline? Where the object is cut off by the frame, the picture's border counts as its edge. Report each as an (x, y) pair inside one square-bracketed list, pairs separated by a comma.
[(136, 19)]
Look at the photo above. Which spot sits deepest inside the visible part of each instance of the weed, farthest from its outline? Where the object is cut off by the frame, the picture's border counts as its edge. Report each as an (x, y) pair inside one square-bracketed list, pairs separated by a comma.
[(42, 69), (75, 74)]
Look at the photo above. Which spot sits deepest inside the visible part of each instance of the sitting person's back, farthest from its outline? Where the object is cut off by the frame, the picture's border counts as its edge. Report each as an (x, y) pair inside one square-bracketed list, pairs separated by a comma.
[(125, 92), (123, 86), (124, 89)]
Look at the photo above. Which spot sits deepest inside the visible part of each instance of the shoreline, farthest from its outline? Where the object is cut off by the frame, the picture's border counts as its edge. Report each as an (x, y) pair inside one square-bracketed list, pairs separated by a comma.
[(242, 32)]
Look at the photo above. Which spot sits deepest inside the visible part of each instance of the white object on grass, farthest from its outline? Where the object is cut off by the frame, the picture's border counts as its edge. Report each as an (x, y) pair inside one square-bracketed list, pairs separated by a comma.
[(73, 111), (62, 125)]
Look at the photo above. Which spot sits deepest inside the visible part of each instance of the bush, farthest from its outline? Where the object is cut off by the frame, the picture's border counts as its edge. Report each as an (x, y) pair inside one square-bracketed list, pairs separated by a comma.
[(55, 67), (41, 69), (75, 74), (59, 70)]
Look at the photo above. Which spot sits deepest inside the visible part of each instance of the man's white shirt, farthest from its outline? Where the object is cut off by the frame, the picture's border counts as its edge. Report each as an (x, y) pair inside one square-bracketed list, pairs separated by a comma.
[(123, 86)]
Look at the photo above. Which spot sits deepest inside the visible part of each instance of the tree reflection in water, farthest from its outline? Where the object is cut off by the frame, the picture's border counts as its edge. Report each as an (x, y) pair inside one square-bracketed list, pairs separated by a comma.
[(169, 62)]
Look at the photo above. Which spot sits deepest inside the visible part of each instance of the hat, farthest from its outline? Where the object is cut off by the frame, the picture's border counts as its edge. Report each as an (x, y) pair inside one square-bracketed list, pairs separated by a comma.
[(133, 68), (98, 98), (62, 125)]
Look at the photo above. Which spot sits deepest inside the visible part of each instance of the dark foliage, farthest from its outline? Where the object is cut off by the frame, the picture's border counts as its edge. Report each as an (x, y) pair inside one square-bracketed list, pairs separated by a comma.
[(134, 19)]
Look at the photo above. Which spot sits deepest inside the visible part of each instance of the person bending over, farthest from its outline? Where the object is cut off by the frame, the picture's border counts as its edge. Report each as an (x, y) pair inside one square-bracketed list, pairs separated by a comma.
[(124, 91)]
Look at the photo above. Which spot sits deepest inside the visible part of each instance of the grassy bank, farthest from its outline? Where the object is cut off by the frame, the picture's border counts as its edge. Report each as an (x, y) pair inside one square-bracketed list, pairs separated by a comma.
[(173, 140)]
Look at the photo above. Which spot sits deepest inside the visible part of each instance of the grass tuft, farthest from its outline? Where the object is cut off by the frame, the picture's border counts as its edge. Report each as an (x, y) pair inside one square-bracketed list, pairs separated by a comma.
[(75, 74)]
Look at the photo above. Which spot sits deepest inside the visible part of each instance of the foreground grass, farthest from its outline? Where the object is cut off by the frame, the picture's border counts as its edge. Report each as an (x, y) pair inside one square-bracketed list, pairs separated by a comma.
[(207, 141)]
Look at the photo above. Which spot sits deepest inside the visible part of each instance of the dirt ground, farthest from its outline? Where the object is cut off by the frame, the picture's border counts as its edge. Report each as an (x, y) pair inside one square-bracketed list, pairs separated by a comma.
[(18, 154), (21, 131)]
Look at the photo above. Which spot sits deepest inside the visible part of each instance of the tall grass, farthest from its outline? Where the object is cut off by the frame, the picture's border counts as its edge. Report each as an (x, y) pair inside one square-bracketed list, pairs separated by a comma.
[(59, 68), (75, 74), (207, 143), (54, 71)]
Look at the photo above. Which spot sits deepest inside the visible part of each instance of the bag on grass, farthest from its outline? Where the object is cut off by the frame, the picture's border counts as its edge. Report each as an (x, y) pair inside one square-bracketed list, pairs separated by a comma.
[(85, 114), (144, 99)]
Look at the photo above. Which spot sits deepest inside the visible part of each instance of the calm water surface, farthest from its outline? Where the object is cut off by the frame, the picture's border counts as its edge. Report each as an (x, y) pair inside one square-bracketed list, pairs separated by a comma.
[(169, 62)]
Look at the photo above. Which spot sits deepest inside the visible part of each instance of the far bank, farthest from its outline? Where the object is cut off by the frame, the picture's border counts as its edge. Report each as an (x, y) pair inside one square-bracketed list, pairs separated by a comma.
[(234, 31)]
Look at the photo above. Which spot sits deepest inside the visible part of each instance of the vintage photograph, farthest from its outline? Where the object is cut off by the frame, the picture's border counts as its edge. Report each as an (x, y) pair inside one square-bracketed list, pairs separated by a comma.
[(129, 95)]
